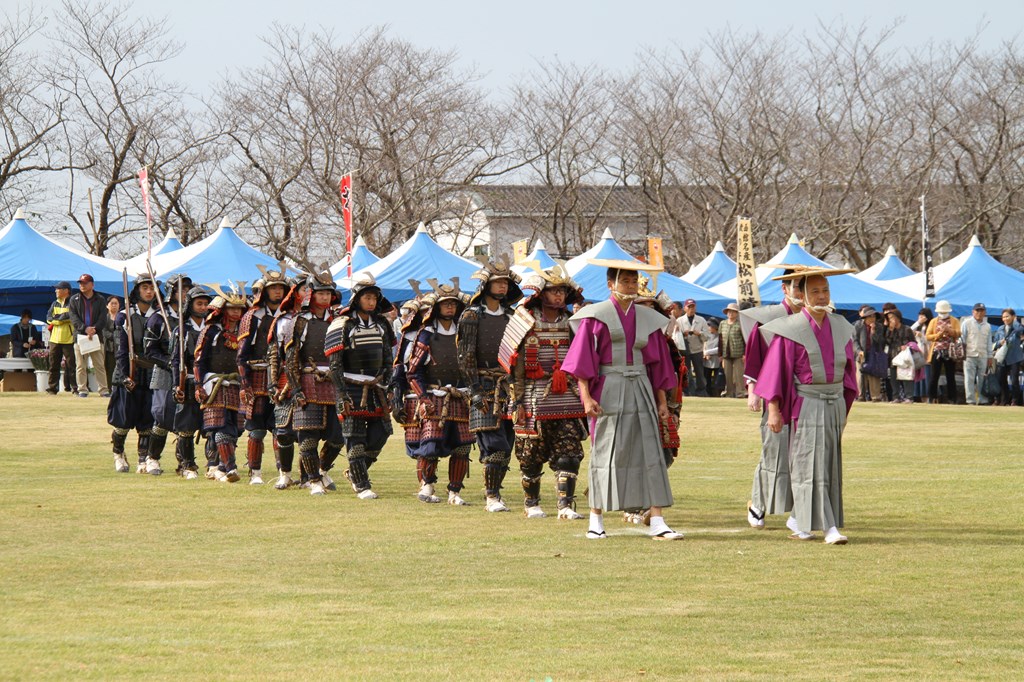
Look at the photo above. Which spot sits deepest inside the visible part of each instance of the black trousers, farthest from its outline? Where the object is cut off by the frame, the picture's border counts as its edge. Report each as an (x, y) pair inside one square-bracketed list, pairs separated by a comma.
[(67, 352)]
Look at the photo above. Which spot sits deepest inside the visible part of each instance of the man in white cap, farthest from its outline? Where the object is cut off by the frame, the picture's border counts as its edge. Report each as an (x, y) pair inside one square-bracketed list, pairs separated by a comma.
[(809, 382), (620, 358)]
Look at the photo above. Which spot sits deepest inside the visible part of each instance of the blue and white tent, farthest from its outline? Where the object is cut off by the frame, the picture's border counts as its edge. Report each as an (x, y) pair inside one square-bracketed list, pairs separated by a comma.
[(539, 254), (890, 267), (169, 243), (362, 258), (419, 258), (220, 258), (593, 278), (32, 263), (848, 292), (716, 268), (973, 276)]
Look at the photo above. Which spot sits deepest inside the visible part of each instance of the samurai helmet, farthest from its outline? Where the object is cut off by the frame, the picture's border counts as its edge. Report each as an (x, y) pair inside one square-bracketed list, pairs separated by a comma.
[(321, 280), (140, 279), (198, 291), (269, 278), (546, 278), (495, 270), (442, 293), (171, 288), (362, 283), (645, 293), (233, 297)]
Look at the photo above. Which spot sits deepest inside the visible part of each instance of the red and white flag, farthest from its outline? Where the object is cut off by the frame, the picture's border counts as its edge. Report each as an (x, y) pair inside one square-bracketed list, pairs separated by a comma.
[(144, 184), (346, 215)]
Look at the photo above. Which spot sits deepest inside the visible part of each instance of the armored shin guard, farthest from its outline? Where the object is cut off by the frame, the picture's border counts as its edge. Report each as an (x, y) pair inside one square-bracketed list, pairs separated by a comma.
[(494, 475), (565, 482), (185, 452), (254, 454), (211, 453), (532, 475), (328, 455), (157, 441), (359, 474), (284, 445), (426, 470), (117, 439), (226, 450), (310, 458), (277, 455), (458, 469), (144, 438)]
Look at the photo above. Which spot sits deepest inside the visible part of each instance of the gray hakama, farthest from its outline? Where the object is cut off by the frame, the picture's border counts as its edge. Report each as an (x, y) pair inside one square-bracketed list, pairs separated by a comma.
[(771, 491), (816, 457)]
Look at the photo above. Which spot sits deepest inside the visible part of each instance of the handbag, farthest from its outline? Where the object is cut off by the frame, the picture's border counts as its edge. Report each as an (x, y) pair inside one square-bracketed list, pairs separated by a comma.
[(919, 359), (876, 363), (990, 387), (1001, 352), (957, 351)]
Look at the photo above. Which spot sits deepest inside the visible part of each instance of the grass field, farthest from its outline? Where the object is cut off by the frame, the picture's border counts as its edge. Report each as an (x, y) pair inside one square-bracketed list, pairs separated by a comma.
[(126, 576)]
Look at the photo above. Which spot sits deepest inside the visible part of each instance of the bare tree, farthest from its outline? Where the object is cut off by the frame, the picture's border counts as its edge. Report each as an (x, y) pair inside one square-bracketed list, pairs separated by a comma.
[(30, 115), (117, 109)]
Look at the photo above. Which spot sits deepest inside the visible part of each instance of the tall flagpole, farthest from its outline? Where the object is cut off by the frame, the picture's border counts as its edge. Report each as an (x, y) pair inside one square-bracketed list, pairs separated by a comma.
[(144, 184), (926, 257), (345, 188)]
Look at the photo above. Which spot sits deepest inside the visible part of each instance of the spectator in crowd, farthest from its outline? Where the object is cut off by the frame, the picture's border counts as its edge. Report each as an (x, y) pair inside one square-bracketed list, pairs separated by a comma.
[(924, 316), (89, 320), (898, 338), (712, 360), (113, 308), (976, 333), (1008, 335), (62, 340), (869, 338), (857, 350), (732, 347), (25, 336), (691, 333), (942, 332), (887, 387)]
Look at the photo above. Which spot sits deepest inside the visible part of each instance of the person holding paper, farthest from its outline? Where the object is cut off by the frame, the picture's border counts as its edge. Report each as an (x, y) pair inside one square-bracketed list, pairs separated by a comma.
[(88, 310)]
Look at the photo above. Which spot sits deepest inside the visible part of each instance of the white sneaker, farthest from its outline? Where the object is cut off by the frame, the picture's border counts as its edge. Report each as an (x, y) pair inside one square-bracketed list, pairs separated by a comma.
[(255, 477), (569, 514), (834, 537), (426, 494), (140, 468), (190, 475), (367, 495), (211, 473), (754, 517), (153, 466), (456, 499), (327, 481), (120, 464), (535, 513), (495, 504), (791, 524), (283, 481), (317, 488), (219, 475)]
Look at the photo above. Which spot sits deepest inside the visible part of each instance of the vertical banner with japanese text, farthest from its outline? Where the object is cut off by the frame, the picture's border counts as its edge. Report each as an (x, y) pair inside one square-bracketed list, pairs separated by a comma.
[(519, 250), (654, 255), (346, 215), (746, 275), (926, 256)]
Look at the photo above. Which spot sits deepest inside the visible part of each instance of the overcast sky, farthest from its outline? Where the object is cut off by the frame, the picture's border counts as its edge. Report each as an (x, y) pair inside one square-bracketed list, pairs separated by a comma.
[(503, 40)]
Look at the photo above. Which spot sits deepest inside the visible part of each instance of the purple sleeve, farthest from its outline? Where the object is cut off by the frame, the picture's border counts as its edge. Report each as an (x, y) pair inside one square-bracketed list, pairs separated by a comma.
[(849, 378), (775, 380), (584, 358), (754, 357), (659, 364)]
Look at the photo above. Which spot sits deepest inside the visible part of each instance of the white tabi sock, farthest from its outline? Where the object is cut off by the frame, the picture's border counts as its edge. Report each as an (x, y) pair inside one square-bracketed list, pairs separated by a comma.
[(658, 525), (596, 523)]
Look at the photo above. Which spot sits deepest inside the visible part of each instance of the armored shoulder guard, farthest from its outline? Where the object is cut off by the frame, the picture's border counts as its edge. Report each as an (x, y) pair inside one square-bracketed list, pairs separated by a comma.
[(519, 325)]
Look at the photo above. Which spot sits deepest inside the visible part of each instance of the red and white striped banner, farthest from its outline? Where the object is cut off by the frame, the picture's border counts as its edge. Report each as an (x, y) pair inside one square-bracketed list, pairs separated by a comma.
[(144, 184), (346, 215)]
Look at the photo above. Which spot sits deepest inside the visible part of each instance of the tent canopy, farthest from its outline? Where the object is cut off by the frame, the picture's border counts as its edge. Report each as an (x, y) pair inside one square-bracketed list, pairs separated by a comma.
[(972, 276), (221, 257), (593, 278), (31, 263), (539, 254), (848, 292), (716, 268), (167, 245), (419, 258), (890, 267), (362, 258)]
